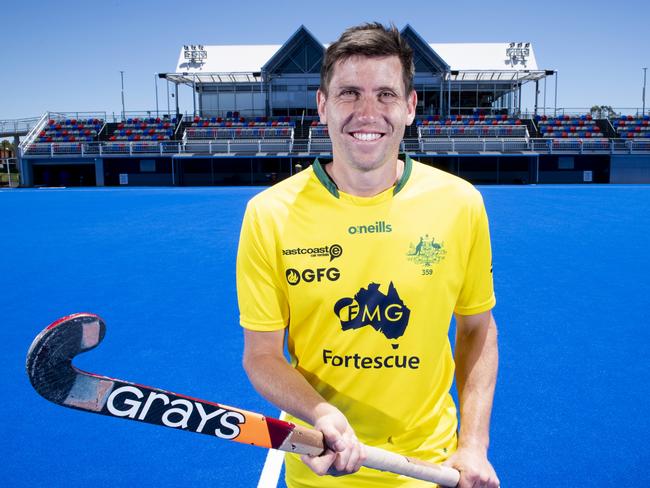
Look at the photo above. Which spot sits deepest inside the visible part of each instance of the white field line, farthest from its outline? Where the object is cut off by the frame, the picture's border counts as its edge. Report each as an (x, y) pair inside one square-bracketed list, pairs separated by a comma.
[(272, 466)]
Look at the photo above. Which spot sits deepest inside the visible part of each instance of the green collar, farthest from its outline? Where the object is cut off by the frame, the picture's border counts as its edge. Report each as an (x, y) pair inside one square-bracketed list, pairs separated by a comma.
[(331, 187)]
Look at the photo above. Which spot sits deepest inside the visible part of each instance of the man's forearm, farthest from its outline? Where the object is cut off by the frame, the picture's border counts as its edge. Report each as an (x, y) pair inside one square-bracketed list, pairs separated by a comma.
[(477, 361), (277, 381)]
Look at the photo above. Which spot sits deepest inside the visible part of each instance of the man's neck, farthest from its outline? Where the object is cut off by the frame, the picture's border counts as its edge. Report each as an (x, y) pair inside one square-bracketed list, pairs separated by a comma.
[(365, 183)]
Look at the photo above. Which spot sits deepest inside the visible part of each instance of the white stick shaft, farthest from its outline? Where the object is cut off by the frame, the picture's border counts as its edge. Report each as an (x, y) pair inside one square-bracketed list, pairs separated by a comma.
[(305, 440), (415, 468)]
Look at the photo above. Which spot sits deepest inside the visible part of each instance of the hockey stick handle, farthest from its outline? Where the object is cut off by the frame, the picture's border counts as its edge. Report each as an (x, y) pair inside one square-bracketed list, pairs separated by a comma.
[(408, 466), (50, 370), (383, 460)]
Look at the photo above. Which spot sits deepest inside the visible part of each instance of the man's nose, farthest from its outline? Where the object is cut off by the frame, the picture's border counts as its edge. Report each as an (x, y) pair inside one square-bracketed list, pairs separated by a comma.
[(368, 108)]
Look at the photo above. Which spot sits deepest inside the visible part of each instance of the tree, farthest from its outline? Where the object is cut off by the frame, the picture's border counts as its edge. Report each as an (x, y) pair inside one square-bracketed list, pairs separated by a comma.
[(7, 148)]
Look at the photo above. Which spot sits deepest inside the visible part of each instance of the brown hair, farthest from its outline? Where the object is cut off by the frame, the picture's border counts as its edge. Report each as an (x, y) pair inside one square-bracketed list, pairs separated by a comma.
[(372, 40)]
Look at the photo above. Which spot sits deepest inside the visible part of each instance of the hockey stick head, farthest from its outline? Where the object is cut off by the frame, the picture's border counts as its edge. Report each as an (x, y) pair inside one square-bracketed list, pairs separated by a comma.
[(49, 360)]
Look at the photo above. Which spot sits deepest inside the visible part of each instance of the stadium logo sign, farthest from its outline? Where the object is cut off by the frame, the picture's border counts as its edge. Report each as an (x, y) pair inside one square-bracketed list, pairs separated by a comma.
[(386, 313), (309, 275), (378, 227), (172, 411), (334, 251)]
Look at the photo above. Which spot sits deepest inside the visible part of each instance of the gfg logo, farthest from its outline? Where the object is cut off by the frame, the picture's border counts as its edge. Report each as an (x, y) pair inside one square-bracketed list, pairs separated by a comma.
[(308, 275)]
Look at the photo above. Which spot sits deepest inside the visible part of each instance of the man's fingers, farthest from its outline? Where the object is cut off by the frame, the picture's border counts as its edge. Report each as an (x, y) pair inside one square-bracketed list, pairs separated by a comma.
[(357, 457), (334, 439), (320, 464), (476, 480)]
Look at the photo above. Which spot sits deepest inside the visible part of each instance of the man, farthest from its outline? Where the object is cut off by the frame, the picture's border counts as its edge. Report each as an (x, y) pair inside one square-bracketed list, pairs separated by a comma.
[(325, 260)]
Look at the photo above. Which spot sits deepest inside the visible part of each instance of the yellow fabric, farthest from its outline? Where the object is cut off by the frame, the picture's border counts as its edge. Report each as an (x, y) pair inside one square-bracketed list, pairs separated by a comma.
[(367, 288)]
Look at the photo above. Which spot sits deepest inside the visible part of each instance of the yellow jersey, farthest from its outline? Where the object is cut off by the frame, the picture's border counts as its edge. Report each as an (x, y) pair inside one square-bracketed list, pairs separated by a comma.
[(367, 287)]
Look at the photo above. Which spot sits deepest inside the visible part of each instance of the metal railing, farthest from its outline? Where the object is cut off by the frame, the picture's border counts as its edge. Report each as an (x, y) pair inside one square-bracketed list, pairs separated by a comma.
[(462, 130), (31, 135), (18, 126), (9, 175), (572, 111), (234, 133), (324, 145)]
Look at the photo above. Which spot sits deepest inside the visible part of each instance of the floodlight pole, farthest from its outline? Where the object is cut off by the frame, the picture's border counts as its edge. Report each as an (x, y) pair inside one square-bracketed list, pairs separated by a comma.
[(555, 108), (194, 94), (123, 110), (643, 93), (545, 94), (155, 82), (168, 110)]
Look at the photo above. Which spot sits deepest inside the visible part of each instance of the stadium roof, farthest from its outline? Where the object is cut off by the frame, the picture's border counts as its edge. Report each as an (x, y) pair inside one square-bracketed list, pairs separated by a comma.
[(466, 61)]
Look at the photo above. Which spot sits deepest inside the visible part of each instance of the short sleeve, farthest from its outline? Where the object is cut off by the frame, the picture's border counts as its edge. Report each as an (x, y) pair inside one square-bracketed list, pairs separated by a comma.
[(477, 292), (262, 298)]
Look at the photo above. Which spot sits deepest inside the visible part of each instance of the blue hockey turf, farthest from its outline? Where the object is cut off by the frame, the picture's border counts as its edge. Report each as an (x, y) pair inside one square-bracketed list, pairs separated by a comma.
[(571, 273)]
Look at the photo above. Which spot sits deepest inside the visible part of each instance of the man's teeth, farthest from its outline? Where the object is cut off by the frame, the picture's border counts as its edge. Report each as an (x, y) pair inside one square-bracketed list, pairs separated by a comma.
[(365, 136)]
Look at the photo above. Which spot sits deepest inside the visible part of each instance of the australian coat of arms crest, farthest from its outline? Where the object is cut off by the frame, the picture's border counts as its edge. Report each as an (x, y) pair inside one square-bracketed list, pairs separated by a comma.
[(426, 252)]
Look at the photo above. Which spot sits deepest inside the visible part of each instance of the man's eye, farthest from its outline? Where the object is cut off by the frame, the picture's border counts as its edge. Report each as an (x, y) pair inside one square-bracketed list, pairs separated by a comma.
[(387, 94), (348, 93)]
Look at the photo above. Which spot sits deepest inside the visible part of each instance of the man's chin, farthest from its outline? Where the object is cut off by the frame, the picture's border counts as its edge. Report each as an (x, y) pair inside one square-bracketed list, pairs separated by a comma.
[(366, 161)]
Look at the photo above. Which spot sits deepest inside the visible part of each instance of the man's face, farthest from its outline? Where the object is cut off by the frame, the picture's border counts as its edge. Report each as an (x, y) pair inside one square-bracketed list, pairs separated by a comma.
[(366, 111)]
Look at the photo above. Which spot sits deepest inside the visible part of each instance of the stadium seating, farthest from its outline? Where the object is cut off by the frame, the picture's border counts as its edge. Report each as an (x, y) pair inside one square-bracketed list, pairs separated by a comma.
[(478, 125), (629, 127), (239, 128), (144, 129), (567, 126), (71, 130), (319, 138)]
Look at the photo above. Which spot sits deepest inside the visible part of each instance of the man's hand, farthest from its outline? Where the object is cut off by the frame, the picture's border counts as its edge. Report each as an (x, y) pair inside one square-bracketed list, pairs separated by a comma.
[(475, 469), (345, 454)]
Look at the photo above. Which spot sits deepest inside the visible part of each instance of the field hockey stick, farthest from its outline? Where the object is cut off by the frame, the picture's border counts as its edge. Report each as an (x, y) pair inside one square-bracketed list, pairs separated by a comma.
[(50, 370)]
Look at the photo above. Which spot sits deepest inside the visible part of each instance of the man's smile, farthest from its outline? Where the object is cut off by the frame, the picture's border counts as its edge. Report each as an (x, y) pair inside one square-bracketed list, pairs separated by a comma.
[(367, 136)]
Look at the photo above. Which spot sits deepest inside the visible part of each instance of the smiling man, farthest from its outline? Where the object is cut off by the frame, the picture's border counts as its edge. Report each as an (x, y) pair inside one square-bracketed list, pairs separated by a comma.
[(359, 265)]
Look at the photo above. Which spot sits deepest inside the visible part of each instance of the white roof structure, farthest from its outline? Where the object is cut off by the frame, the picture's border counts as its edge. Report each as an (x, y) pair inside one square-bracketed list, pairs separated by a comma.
[(464, 62), (229, 59), (459, 56), (485, 56)]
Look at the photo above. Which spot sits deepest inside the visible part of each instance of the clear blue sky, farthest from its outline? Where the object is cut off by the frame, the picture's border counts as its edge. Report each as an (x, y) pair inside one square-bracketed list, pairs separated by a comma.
[(66, 55)]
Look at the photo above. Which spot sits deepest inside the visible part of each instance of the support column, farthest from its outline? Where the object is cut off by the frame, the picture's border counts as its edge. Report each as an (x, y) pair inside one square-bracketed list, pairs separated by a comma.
[(26, 172), (178, 113), (99, 171)]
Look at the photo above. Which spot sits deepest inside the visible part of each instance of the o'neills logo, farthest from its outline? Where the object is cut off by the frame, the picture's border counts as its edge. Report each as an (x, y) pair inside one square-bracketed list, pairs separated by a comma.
[(376, 228), (172, 411)]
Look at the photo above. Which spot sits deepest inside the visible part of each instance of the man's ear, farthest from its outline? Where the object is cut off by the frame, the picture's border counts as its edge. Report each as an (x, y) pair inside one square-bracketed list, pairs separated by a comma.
[(411, 104), (321, 98)]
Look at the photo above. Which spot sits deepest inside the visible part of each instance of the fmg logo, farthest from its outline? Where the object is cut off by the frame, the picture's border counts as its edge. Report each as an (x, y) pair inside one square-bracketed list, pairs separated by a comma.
[(386, 313)]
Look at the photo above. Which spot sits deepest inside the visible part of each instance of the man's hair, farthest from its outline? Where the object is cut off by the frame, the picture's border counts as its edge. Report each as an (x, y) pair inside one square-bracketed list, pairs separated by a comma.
[(372, 40)]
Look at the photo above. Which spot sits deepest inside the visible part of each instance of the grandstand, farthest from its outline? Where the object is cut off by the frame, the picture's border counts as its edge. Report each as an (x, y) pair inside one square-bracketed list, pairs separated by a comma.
[(254, 118)]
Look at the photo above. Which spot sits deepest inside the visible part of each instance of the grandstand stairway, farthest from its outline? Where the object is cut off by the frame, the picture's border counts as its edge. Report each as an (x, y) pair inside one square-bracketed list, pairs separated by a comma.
[(533, 131), (606, 128)]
